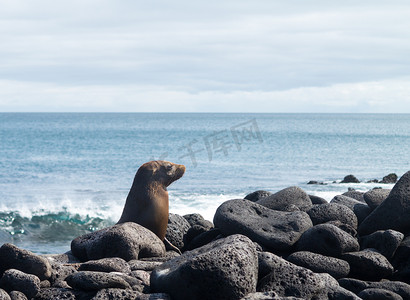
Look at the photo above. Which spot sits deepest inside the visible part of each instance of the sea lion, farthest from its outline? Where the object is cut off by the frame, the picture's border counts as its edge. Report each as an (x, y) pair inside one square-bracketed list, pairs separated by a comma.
[(147, 202)]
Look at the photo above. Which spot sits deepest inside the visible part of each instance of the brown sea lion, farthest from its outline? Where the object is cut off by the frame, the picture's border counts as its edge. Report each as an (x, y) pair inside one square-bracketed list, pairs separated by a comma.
[(147, 203)]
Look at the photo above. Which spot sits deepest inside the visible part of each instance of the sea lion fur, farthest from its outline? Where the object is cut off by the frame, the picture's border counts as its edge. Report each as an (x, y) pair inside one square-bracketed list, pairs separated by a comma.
[(147, 202)]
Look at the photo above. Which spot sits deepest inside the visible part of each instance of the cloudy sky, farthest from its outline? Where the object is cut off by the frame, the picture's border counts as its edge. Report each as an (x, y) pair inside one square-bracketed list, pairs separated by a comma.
[(205, 56)]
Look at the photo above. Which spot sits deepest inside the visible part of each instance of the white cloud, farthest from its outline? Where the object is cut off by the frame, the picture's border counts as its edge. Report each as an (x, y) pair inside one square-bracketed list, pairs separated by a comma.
[(229, 50)]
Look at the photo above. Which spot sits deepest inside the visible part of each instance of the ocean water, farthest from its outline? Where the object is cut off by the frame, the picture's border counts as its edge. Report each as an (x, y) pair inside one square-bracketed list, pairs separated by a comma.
[(65, 174)]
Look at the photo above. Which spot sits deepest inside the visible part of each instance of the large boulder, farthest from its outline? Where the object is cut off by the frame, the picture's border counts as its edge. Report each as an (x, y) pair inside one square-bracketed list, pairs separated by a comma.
[(289, 199), (384, 241), (375, 197), (15, 280), (12, 257), (319, 263), (328, 240), (392, 213), (287, 279), (109, 264), (178, 226), (361, 209), (368, 265), (356, 286), (350, 179), (357, 195), (391, 178), (257, 195), (276, 230), (94, 281), (127, 241), (401, 261), (224, 269), (323, 213), (376, 293)]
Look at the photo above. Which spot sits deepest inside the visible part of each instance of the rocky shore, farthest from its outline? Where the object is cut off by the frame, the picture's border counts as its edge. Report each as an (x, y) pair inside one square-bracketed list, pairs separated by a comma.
[(287, 245)]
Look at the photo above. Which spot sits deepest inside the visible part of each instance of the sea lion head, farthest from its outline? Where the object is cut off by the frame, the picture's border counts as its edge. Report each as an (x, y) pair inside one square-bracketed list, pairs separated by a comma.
[(161, 171)]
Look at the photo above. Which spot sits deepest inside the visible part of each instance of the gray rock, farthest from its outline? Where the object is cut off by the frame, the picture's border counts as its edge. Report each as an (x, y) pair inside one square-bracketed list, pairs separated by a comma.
[(60, 272), (62, 294), (342, 294), (12, 257), (109, 264), (224, 269), (346, 228), (65, 258), (117, 294), (353, 285), (392, 213), (328, 240), (16, 280), (267, 296), (317, 199), (16, 295), (361, 209), (198, 220), (257, 195), (203, 238), (375, 197), (357, 195), (4, 295), (289, 199), (368, 265), (276, 230), (94, 281), (143, 276), (378, 294), (397, 287), (323, 213), (401, 261), (287, 279), (318, 263), (127, 241), (384, 241), (143, 265), (350, 179), (391, 178), (135, 283), (178, 226), (192, 233)]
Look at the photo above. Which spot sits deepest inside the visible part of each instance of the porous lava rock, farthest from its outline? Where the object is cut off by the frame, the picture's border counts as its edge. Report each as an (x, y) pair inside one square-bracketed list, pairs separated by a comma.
[(384, 241), (323, 213), (276, 230), (257, 195), (224, 269), (289, 199), (12, 257), (127, 241), (319, 263), (368, 265), (392, 213), (328, 240), (375, 197)]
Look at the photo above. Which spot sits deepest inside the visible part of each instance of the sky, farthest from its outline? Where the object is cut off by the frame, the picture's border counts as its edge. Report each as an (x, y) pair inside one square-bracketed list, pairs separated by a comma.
[(205, 56)]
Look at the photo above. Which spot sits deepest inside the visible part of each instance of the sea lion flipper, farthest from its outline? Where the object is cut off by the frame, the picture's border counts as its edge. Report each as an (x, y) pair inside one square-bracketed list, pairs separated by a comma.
[(169, 246)]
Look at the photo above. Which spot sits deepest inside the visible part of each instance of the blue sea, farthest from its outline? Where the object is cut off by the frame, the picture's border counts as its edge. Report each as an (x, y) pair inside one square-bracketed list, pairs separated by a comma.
[(65, 174)]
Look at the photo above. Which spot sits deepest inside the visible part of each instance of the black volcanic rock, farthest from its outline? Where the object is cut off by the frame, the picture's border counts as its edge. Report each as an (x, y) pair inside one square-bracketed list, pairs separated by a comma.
[(384, 241), (317, 199), (288, 279), (127, 241), (319, 263), (289, 199), (328, 240), (323, 213), (257, 195), (223, 269), (368, 265), (375, 197), (361, 209), (392, 213), (391, 178), (350, 179), (276, 230)]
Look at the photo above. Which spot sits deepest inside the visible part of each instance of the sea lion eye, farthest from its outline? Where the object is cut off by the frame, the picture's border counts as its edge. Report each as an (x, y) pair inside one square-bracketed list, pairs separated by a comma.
[(169, 167)]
